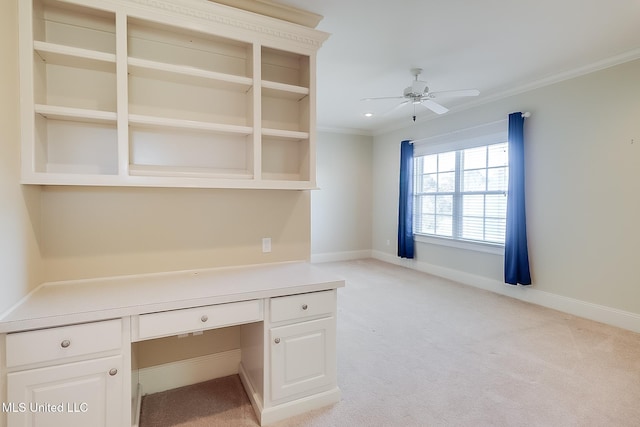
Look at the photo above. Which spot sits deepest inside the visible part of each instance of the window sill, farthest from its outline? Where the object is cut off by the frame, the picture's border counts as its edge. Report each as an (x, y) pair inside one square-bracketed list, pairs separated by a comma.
[(460, 244)]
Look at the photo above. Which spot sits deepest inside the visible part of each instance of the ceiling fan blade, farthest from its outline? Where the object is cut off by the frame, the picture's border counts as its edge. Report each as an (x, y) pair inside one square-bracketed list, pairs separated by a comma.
[(402, 104), (383, 97), (434, 106), (452, 93)]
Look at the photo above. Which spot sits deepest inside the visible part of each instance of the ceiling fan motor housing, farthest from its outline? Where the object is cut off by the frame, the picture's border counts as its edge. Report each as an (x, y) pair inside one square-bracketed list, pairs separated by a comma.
[(417, 89)]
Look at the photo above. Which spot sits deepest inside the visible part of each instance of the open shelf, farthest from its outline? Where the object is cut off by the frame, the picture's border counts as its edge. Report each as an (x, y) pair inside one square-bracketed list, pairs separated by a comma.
[(185, 48), (182, 151), (73, 71), (285, 113), (66, 24), (285, 159), (133, 93), (288, 68), (194, 86), (87, 147)]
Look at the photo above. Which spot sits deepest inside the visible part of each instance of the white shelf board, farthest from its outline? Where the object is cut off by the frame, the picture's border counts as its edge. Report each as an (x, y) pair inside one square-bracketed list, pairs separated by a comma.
[(283, 90), (288, 181), (192, 181), (75, 114), (285, 134), (272, 176), (191, 172), (153, 121), (60, 178), (185, 74), (75, 56)]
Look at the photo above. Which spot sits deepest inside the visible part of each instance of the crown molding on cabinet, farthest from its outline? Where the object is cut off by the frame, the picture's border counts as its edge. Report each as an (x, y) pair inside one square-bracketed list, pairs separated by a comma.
[(275, 10), (240, 19)]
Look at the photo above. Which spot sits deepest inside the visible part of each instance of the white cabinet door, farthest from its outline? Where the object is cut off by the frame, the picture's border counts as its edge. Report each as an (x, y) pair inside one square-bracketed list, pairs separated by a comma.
[(87, 393), (303, 358)]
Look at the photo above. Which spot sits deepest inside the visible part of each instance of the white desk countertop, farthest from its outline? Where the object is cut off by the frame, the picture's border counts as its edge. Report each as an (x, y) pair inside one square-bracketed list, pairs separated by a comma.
[(62, 303)]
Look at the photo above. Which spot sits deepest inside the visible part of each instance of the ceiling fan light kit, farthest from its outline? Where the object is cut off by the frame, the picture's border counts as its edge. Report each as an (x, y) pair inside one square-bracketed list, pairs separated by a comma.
[(419, 94)]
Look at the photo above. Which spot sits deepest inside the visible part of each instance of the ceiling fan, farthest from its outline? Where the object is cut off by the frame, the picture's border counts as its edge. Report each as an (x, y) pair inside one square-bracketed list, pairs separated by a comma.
[(419, 94)]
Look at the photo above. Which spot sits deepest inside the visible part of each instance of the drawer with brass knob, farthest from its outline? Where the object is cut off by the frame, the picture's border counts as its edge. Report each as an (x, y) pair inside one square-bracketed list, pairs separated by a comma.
[(301, 306), (58, 344), (174, 322)]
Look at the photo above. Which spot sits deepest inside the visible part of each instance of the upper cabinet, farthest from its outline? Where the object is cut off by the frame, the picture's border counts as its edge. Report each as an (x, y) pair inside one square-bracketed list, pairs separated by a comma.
[(182, 93)]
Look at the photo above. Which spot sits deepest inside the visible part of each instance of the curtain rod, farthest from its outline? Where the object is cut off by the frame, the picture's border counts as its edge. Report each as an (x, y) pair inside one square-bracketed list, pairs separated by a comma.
[(524, 115)]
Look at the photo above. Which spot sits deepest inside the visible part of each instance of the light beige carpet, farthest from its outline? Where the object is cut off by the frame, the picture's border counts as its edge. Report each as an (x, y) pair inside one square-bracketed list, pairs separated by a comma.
[(220, 402), (417, 350)]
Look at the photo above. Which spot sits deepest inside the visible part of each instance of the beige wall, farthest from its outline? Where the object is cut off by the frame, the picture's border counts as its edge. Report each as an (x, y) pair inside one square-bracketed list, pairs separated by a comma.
[(341, 208), (88, 231), (19, 207), (170, 349), (583, 187)]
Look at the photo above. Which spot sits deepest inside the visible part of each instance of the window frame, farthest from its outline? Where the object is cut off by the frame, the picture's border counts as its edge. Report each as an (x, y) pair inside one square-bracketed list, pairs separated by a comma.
[(478, 136)]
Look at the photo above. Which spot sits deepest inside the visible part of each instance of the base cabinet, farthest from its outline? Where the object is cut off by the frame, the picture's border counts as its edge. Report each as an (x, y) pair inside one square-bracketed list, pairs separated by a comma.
[(86, 393), (68, 373), (302, 358)]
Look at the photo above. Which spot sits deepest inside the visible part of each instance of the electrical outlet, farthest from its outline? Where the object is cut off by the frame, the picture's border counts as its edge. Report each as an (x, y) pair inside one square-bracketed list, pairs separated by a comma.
[(266, 244)]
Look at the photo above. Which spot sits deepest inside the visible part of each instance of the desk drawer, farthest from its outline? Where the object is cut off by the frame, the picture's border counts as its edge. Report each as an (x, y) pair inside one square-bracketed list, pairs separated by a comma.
[(174, 322), (302, 306), (57, 344)]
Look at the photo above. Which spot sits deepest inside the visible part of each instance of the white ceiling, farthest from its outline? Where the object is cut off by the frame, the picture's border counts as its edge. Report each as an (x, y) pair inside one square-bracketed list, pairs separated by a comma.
[(497, 46)]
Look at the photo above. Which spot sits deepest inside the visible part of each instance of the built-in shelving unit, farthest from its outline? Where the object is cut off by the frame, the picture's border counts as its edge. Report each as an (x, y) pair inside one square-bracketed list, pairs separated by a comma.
[(165, 93)]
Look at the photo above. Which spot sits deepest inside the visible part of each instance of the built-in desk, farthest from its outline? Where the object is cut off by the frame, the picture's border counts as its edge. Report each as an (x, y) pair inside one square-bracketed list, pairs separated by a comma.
[(65, 350)]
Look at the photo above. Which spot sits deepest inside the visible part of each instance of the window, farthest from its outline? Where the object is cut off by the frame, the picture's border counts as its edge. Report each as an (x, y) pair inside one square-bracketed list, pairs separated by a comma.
[(462, 194)]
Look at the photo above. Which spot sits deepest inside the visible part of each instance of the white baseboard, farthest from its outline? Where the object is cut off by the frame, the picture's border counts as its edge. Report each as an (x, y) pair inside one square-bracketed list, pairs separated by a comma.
[(254, 396), (340, 256), (283, 411), (599, 313), (137, 404), (191, 371), (271, 414)]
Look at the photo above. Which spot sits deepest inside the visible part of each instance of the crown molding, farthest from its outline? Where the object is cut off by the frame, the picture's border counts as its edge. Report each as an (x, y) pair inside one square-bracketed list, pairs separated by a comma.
[(276, 10), (344, 131), (527, 87), (236, 20)]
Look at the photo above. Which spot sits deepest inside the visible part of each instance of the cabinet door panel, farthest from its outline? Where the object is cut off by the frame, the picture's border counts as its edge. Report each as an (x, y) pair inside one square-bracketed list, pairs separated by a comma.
[(302, 357), (71, 395)]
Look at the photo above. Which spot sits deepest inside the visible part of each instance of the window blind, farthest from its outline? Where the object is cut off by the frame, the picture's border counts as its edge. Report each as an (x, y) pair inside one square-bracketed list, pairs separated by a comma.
[(460, 184)]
